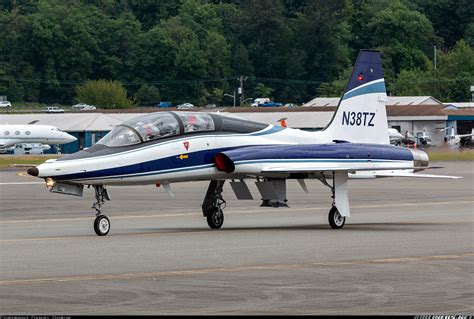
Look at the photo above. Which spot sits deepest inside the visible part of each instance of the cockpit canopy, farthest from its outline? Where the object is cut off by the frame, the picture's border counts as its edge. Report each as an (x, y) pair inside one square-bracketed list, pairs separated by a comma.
[(156, 126)]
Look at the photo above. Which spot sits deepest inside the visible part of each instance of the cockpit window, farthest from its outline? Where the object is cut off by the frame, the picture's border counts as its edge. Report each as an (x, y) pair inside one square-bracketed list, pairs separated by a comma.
[(196, 122), (154, 126), (120, 136)]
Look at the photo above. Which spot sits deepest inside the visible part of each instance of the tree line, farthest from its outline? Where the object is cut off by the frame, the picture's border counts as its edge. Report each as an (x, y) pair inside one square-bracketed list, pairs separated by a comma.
[(198, 50)]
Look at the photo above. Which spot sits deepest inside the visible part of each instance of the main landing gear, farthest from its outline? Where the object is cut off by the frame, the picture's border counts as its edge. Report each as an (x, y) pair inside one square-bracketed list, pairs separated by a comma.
[(335, 219), (101, 223), (213, 205)]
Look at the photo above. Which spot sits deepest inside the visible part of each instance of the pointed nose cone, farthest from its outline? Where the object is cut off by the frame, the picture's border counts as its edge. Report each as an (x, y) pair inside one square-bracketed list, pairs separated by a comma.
[(33, 171), (70, 138)]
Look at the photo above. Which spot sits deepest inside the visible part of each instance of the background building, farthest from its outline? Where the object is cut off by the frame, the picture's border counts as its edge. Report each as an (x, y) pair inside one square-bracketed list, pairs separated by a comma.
[(421, 115)]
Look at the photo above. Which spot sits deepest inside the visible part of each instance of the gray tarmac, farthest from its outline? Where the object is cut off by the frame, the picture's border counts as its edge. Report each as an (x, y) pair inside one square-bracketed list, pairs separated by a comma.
[(407, 249)]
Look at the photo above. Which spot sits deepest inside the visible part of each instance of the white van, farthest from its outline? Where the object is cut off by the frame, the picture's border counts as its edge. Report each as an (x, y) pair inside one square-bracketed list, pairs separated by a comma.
[(260, 100)]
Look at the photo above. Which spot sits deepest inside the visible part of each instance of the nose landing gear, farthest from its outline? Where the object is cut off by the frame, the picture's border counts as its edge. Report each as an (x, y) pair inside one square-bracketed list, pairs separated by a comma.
[(101, 222)]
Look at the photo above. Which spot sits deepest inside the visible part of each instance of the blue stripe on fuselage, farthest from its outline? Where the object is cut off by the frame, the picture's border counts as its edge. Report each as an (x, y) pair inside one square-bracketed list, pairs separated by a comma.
[(162, 164), (246, 154), (274, 129), (378, 87)]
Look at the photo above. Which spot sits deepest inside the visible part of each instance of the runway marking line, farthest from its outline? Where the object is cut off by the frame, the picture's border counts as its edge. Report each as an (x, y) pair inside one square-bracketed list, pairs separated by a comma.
[(232, 212), (126, 276), (21, 183)]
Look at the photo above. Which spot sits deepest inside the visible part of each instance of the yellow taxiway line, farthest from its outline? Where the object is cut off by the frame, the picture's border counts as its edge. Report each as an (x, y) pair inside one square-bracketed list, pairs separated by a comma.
[(139, 275)]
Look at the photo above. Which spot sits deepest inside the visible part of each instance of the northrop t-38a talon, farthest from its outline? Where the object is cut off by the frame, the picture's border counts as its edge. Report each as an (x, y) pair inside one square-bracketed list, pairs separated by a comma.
[(168, 147)]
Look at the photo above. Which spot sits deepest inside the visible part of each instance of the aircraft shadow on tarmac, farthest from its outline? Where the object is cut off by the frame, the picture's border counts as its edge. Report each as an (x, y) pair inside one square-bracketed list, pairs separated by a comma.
[(381, 227)]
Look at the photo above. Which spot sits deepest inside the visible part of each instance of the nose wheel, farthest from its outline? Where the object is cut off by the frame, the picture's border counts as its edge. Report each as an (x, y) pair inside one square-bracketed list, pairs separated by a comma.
[(101, 225), (101, 222)]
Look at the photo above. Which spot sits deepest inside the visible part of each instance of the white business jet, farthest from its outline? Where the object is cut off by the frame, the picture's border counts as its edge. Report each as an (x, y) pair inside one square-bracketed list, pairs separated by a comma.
[(12, 134)]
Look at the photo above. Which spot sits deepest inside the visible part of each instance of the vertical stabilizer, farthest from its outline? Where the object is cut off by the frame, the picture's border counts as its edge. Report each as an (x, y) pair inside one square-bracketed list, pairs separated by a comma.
[(361, 116)]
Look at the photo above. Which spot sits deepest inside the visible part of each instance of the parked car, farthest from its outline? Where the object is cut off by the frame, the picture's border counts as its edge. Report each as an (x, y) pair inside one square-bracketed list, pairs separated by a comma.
[(270, 104), (5, 104), (53, 109), (83, 107), (185, 106), (290, 105), (164, 104), (210, 106)]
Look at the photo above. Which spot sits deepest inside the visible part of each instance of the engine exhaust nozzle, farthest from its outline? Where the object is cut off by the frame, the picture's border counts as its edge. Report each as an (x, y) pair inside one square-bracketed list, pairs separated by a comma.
[(420, 160)]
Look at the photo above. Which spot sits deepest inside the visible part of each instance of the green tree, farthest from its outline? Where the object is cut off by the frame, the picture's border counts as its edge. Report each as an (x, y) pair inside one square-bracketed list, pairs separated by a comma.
[(450, 18), (147, 95), (321, 31), (261, 31), (405, 37), (263, 91), (217, 96), (469, 35), (104, 94), (450, 81)]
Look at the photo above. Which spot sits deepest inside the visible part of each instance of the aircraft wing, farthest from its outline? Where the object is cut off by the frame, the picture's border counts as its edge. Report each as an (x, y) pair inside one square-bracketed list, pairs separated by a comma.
[(369, 172), (6, 143), (288, 169)]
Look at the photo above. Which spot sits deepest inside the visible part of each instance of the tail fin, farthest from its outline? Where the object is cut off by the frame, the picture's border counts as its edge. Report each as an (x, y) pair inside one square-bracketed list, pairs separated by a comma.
[(361, 116)]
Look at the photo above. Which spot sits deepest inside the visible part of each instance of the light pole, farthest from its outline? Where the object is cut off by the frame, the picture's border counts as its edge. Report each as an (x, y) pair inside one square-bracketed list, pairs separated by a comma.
[(232, 96)]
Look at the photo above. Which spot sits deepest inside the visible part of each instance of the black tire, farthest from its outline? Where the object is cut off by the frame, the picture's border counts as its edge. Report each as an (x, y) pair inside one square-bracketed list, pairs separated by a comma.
[(101, 225), (215, 218), (335, 219)]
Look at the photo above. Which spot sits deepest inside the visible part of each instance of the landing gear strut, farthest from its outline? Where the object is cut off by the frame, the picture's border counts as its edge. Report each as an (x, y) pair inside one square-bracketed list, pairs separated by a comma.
[(213, 205), (336, 220), (101, 223)]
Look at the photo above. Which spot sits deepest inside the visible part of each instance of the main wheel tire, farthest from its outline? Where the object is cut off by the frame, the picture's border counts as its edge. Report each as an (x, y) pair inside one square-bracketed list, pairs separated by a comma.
[(101, 225), (215, 218), (336, 220)]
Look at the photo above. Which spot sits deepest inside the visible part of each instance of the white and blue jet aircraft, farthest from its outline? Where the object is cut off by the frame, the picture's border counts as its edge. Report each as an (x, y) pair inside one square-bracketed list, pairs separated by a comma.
[(169, 147)]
